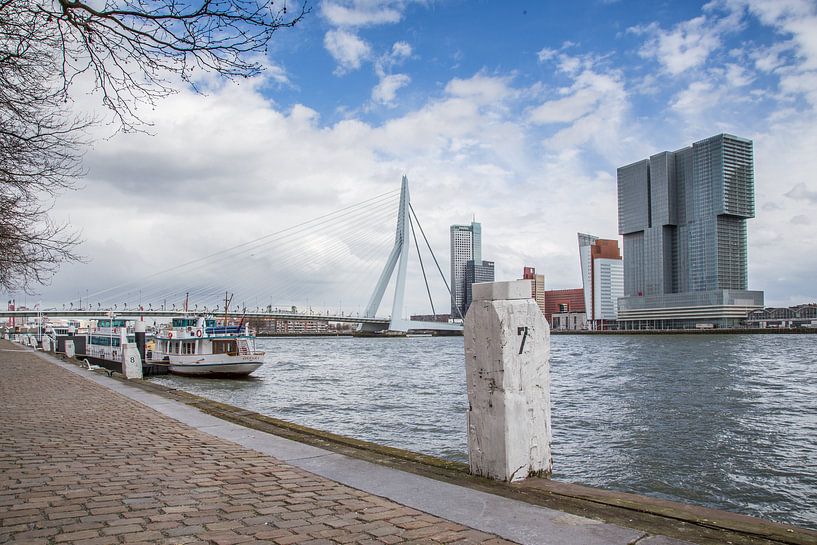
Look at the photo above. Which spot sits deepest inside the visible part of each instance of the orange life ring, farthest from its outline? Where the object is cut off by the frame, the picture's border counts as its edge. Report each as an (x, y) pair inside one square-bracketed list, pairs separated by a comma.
[(198, 333), (169, 334)]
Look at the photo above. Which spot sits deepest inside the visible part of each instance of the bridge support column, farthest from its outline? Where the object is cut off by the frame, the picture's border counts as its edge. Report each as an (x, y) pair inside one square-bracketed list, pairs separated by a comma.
[(507, 346)]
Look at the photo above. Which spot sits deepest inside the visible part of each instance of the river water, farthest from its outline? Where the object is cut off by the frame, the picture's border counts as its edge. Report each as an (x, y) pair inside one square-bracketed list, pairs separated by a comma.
[(724, 421)]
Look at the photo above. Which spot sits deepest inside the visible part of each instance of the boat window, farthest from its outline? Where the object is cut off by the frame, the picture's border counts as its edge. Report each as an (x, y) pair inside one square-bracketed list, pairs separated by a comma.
[(104, 341), (224, 347)]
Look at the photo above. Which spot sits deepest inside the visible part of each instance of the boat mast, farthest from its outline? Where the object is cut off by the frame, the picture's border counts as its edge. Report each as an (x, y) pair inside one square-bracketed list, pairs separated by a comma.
[(227, 306)]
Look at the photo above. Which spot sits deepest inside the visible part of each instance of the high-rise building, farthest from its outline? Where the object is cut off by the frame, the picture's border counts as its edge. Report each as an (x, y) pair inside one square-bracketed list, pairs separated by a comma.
[(537, 286), (476, 272), (602, 279), (466, 245), (683, 218)]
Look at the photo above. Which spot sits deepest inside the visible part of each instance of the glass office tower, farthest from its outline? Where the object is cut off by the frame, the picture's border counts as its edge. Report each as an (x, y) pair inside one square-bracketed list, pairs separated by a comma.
[(683, 218), (466, 245)]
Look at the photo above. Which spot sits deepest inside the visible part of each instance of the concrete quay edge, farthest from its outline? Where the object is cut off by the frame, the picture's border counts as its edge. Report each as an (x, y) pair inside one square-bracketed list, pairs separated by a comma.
[(654, 521)]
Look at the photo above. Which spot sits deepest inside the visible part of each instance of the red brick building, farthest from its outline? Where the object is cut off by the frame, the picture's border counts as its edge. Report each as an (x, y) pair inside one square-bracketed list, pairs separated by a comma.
[(559, 301)]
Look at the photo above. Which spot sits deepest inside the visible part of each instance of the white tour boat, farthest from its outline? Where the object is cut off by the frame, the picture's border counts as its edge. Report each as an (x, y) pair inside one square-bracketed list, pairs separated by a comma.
[(105, 341), (199, 347)]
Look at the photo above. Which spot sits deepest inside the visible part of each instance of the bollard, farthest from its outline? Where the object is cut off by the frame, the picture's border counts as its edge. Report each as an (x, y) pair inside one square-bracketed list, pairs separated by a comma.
[(46, 343), (131, 361), (507, 346), (69, 349)]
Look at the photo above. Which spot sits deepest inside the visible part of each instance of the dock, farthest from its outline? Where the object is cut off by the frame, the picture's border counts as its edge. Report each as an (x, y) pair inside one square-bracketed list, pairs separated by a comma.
[(86, 459)]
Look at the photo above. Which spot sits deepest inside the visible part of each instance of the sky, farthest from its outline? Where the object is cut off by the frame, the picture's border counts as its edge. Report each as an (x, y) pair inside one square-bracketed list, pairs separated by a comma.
[(514, 113)]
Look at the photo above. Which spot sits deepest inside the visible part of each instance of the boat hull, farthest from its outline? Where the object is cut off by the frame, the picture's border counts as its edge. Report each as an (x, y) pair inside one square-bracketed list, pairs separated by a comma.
[(215, 366)]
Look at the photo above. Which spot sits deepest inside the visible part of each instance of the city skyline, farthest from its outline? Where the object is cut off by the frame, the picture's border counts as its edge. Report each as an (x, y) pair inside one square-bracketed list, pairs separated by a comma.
[(526, 134)]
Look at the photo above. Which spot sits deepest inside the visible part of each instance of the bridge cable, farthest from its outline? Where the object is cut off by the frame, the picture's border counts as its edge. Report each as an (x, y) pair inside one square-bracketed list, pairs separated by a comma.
[(248, 243), (422, 268), (433, 256)]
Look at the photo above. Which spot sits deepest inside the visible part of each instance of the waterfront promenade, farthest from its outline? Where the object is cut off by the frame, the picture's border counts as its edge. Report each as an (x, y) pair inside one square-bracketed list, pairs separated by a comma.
[(81, 464), (86, 459)]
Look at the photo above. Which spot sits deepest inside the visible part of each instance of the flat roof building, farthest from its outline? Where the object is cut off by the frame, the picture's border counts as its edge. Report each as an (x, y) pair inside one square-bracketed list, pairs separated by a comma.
[(683, 218), (602, 279), (563, 302)]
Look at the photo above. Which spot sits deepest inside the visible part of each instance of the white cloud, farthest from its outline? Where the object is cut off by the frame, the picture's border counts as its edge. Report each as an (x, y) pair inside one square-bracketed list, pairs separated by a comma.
[(546, 54), (585, 96), (401, 50), (249, 168), (481, 88), (738, 76), (347, 49), (802, 192), (689, 44), (593, 108), (357, 13), (386, 90)]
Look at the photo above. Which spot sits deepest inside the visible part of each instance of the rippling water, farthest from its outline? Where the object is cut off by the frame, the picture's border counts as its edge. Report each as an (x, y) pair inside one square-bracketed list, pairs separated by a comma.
[(725, 421)]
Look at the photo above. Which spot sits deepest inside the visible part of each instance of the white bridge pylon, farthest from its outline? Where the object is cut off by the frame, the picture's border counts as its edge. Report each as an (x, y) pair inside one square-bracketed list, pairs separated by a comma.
[(398, 258)]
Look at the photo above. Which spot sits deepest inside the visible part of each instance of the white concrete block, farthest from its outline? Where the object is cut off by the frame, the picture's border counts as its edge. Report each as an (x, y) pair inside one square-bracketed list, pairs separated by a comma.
[(46, 343), (131, 361), (507, 347), (495, 291), (69, 349)]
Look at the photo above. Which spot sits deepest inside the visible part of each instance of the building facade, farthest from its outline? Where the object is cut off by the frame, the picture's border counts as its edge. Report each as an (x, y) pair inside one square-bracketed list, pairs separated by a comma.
[(466, 245), (683, 215), (476, 272), (569, 301), (537, 286), (602, 279)]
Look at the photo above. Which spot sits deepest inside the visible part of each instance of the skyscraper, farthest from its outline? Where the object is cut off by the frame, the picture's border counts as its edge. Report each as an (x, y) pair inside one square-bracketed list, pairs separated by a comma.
[(466, 245), (476, 272), (602, 278), (683, 217)]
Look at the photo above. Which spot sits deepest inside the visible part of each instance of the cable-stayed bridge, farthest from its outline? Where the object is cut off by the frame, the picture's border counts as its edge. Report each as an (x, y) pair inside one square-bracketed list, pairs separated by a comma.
[(344, 239)]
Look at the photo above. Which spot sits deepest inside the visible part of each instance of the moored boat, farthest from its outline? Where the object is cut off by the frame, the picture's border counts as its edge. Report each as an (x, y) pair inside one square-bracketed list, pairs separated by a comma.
[(197, 346)]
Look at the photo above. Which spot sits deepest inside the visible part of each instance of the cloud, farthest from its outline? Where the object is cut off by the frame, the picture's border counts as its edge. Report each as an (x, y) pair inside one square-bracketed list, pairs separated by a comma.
[(386, 90), (585, 96), (689, 44), (798, 18), (546, 54), (587, 114), (388, 84), (801, 192), (480, 88), (401, 50), (347, 49), (228, 167), (358, 13)]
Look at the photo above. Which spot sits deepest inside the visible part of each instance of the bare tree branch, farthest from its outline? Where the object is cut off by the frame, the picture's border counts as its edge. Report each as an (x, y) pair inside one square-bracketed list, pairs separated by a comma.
[(135, 52)]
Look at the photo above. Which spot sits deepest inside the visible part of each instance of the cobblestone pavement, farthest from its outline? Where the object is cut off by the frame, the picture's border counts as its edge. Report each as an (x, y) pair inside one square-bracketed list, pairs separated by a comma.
[(80, 464)]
